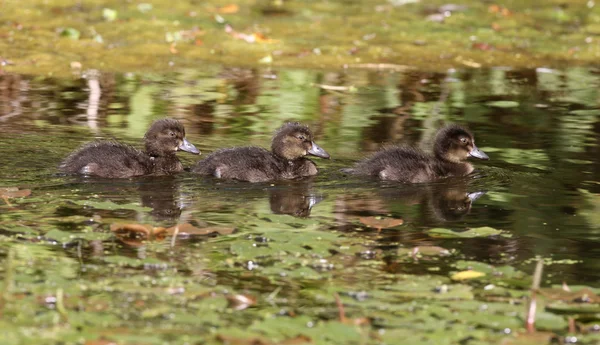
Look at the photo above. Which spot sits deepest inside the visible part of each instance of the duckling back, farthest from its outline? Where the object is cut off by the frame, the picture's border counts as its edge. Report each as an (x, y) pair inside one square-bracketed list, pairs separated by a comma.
[(402, 164), (253, 164), (107, 159)]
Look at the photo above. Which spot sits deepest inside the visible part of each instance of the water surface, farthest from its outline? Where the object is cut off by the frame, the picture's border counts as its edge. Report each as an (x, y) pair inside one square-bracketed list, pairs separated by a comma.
[(292, 245)]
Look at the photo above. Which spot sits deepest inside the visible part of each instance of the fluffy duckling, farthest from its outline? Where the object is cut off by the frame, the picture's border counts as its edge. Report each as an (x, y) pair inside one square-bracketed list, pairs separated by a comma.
[(453, 145), (286, 160), (115, 160)]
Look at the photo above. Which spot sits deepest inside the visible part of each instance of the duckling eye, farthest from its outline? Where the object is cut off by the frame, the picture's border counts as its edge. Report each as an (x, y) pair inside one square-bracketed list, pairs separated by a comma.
[(301, 137), (464, 140), (172, 134)]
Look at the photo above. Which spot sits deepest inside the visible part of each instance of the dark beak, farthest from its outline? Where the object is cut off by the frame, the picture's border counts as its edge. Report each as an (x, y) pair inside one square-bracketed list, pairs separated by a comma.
[(188, 147), (316, 150), (475, 196), (477, 153)]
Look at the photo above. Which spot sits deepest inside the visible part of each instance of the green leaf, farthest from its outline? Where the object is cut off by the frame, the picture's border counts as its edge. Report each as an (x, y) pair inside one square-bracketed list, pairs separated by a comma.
[(503, 104), (485, 231), (71, 33), (109, 14), (109, 205)]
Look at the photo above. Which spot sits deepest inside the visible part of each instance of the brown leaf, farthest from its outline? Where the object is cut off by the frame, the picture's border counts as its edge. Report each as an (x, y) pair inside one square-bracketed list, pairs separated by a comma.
[(529, 338), (172, 48), (14, 192), (301, 339), (482, 46), (225, 339), (240, 302), (430, 251), (584, 295), (134, 234), (381, 223), (101, 341), (228, 9)]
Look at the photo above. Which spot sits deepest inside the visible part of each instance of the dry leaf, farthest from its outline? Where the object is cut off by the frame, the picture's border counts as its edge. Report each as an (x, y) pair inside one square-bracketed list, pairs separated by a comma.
[(301, 339), (240, 302), (13, 192), (381, 223), (430, 251), (228, 9), (584, 295), (134, 234), (101, 341)]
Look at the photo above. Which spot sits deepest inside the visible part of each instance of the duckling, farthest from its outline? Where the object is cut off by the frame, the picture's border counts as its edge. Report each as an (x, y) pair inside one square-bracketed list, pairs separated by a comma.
[(453, 145), (115, 160), (290, 144)]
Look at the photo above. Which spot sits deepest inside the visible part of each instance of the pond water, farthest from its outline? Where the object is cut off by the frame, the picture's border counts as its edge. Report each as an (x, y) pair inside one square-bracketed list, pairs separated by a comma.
[(264, 262)]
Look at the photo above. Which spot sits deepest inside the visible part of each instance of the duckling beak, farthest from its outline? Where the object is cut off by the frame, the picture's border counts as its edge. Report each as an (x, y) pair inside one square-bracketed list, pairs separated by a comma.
[(476, 195), (188, 147), (316, 150), (477, 153)]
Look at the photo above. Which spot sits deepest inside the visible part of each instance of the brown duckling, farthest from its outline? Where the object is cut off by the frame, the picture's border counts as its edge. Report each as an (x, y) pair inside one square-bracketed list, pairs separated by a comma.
[(453, 145), (286, 160), (115, 160)]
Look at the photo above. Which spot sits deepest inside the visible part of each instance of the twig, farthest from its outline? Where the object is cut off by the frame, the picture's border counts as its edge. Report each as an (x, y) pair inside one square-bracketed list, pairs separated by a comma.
[(175, 233), (340, 306), (381, 66), (335, 88), (535, 286), (60, 304)]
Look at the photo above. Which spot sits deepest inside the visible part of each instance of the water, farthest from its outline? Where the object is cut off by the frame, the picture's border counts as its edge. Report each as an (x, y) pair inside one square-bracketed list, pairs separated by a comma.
[(293, 243)]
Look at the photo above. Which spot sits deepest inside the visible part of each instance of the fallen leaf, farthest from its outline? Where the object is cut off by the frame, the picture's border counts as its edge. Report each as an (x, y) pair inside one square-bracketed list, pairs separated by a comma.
[(13, 192), (380, 222), (228, 9), (584, 295), (225, 339), (529, 338), (134, 234), (240, 302), (172, 48), (101, 341), (482, 46), (430, 251), (301, 339), (464, 275)]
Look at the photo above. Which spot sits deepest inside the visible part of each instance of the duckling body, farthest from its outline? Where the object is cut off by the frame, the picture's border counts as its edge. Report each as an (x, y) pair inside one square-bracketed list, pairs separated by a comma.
[(112, 159), (255, 164), (453, 145)]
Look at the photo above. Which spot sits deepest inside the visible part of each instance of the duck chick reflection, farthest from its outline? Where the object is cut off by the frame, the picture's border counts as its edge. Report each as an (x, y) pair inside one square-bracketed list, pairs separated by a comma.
[(452, 204), (296, 201), (420, 205), (162, 195)]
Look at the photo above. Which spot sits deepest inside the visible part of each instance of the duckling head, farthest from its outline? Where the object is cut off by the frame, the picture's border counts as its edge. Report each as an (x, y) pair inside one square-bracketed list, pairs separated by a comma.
[(293, 141), (455, 144), (166, 136)]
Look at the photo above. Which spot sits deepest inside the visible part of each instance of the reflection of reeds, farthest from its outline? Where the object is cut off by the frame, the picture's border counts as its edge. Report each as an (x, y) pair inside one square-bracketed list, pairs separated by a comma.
[(535, 286)]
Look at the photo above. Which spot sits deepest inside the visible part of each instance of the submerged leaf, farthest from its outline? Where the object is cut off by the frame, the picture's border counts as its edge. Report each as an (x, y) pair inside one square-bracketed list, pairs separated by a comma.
[(109, 205), (187, 229), (503, 104), (381, 222), (464, 275), (240, 302), (485, 231)]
